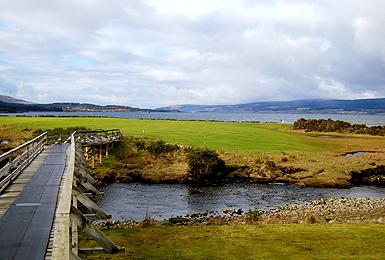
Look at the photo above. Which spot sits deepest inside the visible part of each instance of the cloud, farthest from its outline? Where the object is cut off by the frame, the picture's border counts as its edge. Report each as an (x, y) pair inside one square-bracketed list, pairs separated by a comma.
[(7, 88), (152, 53)]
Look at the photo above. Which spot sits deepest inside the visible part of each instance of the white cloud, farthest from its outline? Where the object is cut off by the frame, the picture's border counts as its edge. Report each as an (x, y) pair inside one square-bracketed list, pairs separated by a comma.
[(151, 53)]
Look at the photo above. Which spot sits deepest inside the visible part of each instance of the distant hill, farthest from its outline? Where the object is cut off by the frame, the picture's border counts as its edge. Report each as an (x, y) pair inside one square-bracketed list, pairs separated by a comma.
[(359, 106), (366, 106), (12, 105), (9, 99)]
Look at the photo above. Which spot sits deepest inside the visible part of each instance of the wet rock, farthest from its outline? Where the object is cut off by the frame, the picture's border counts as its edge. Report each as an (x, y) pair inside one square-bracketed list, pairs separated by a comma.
[(178, 220), (233, 211)]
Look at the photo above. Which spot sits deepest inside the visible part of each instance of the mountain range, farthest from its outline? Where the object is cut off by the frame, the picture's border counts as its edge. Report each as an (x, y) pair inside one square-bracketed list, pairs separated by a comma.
[(357, 106), (365, 106), (12, 105)]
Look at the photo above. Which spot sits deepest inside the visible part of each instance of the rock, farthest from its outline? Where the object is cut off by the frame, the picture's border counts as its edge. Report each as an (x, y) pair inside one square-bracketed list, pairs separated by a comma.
[(380, 220), (239, 212), (178, 220), (4, 142)]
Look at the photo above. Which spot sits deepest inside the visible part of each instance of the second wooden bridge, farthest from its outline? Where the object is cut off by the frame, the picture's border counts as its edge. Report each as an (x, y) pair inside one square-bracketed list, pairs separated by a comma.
[(42, 220)]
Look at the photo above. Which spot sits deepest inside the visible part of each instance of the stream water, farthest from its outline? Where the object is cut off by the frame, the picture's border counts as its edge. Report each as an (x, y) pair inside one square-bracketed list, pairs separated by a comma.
[(161, 201)]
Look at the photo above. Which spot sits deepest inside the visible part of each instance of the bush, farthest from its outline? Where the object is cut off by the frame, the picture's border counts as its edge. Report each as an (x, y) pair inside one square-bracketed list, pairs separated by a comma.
[(204, 165), (159, 147), (254, 214), (140, 144), (323, 125), (125, 151)]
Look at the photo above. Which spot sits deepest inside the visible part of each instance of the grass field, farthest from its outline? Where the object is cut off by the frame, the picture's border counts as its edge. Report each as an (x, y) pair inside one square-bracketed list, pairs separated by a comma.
[(241, 144), (227, 136), (251, 144), (274, 241)]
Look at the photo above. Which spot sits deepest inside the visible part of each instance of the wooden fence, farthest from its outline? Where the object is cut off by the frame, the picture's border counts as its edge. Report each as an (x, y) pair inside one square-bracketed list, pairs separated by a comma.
[(14, 161)]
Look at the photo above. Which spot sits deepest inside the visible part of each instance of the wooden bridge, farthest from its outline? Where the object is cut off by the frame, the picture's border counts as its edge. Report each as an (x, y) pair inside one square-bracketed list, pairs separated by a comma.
[(45, 197)]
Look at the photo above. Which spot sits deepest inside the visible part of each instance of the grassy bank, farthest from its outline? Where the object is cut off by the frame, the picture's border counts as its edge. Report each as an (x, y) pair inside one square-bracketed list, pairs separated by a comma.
[(275, 241), (229, 136), (263, 151), (14, 137)]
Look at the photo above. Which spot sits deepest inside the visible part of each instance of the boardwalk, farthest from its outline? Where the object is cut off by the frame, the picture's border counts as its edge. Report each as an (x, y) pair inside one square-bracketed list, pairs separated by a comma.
[(42, 219), (26, 225)]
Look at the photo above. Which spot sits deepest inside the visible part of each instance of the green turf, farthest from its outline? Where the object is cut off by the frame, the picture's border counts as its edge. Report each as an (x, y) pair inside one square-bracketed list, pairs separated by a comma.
[(230, 136), (274, 241)]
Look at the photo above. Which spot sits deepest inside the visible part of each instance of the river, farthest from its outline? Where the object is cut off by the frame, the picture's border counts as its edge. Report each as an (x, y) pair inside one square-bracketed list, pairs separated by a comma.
[(162, 201), (372, 119)]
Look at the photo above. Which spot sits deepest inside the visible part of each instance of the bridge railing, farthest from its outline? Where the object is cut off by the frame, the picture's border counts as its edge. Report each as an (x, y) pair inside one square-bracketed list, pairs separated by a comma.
[(15, 160), (98, 136), (70, 220), (62, 249)]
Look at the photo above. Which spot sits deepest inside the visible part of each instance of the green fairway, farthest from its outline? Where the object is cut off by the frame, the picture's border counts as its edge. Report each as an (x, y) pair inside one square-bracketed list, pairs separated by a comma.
[(229, 136), (275, 241)]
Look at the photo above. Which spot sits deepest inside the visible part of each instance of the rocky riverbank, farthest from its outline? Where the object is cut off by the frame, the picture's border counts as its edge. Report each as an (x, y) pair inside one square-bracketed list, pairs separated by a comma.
[(331, 210)]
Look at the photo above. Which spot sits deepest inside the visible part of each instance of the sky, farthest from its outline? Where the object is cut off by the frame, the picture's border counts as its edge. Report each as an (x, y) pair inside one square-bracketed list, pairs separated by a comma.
[(153, 53)]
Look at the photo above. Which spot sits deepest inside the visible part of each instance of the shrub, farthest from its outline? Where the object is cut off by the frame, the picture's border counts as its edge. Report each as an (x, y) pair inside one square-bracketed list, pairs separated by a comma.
[(255, 214), (125, 151), (204, 165), (322, 125), (140, 144), (271, 165), (159, 147)]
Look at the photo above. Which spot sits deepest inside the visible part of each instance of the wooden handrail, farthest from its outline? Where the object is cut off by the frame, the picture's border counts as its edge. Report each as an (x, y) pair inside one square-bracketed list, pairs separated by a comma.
[(69, 220), (10, 152), (62, 236), (19, 158), (96, 131)]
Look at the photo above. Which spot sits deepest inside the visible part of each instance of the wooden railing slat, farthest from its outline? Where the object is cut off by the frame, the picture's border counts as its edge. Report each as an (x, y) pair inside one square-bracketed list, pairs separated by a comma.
[(19, 158), (10, 152)]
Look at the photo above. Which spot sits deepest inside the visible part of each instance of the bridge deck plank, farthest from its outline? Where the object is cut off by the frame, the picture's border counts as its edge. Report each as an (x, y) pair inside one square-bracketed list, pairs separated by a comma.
[(15, 188), (25, 226)]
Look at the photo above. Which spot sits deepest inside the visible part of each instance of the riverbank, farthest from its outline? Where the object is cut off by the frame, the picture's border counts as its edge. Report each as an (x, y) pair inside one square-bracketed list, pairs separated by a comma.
[(144, 160), (330, 228), (253, 152), (330, 210), (290, 241)]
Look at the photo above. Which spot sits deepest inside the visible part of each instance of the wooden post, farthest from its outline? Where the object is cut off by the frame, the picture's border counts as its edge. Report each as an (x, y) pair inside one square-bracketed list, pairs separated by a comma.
[(94, 232), (100, 153), (86, 152), (93, 157), (106, 150), (88, 203), (88, 186), (74, 229), (82, 174)]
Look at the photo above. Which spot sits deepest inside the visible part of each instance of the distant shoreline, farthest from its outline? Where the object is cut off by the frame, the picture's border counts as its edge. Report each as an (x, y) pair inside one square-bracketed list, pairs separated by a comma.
[(255, 117)]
